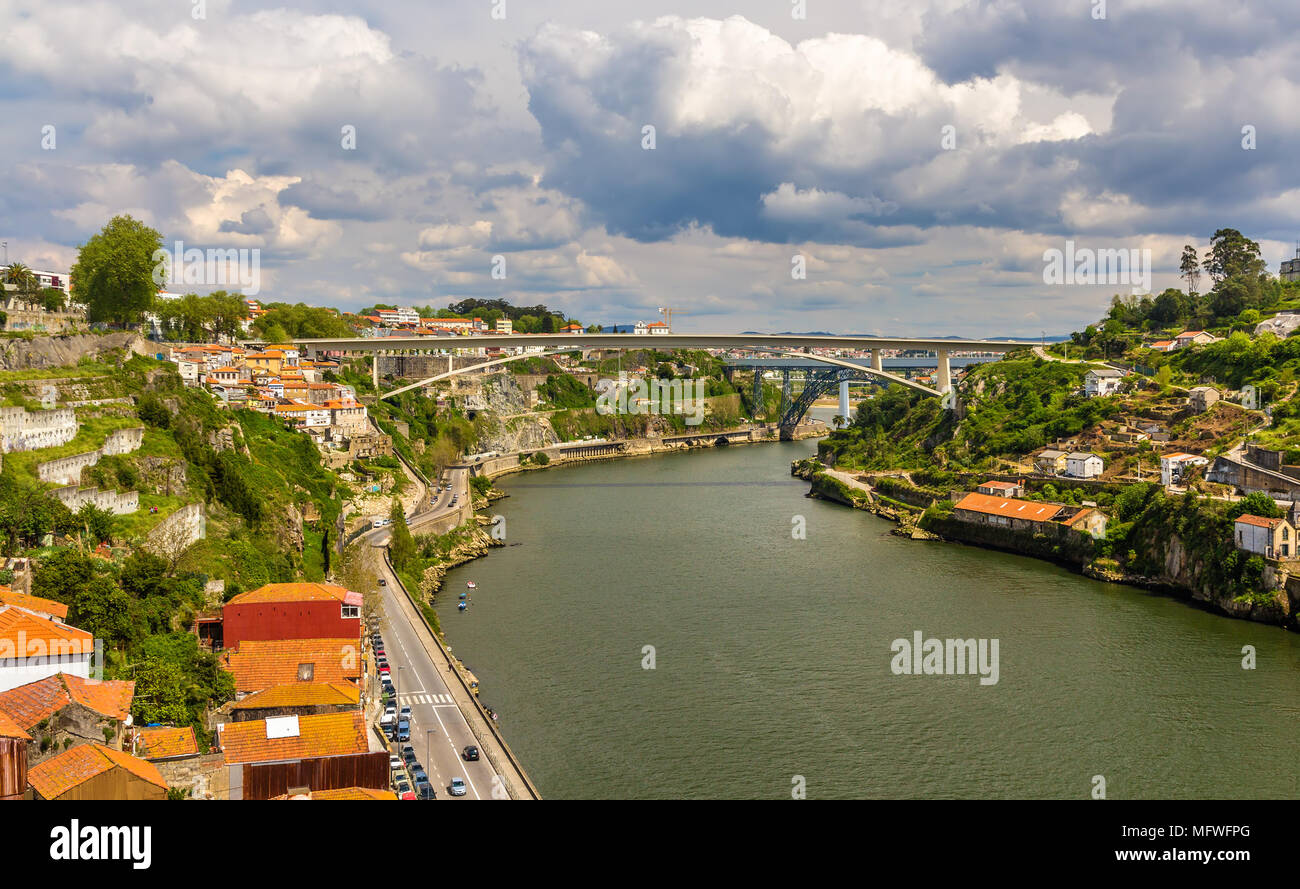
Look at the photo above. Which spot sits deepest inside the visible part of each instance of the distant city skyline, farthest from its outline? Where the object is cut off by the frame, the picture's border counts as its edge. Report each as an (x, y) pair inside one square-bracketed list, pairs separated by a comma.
[(915, 162)]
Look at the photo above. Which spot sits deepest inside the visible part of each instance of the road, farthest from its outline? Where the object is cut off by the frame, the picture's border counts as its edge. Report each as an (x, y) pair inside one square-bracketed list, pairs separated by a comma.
[(439, 728)]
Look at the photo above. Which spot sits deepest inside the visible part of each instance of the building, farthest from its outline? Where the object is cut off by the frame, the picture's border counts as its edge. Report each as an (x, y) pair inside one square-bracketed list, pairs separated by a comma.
[(267, 758), (46, 608), (1174, 466), (1163, 346), (13, 759), (62, 710), (262, 664), (165, 743), (33, 646), (1291, 268), (60, 280), (572, 328), (280, 611), (297, 699), (399, 316), (96, 772), (1029, 515), (1002, 489), (1102, 381), (1050, 460), (504, 325), (1202, 398), (1189, 338), (1270, 538), (1084, 465)]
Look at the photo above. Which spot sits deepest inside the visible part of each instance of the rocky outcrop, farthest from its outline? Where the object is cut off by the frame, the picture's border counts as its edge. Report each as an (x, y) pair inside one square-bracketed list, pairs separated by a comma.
[(61, 351), (475, 546)]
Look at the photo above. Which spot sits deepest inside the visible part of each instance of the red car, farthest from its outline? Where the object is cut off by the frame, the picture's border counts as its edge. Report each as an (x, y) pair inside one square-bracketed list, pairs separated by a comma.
[(408, 794)]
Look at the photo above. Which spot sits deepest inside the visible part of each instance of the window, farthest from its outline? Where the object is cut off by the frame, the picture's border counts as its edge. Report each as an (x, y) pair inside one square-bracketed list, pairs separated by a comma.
[(351, 611)]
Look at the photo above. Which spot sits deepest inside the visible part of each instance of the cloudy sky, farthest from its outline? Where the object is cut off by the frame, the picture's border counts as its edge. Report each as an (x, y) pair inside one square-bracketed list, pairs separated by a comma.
[(919, 155)]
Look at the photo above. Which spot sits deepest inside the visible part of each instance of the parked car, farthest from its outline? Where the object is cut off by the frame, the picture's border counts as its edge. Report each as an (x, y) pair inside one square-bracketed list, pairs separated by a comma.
[(403, 730), (425, 791), (404, 713), (418, 774), (470, 753), (408, 755), (383, 582), (457, 787), (394, 764), (403, 786), (390, 715)]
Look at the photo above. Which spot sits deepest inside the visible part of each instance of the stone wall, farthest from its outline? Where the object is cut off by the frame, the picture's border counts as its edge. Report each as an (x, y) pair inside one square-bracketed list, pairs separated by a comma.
[(67, 470), (116, 502), (180, 529), (204, 776), (24, 430)]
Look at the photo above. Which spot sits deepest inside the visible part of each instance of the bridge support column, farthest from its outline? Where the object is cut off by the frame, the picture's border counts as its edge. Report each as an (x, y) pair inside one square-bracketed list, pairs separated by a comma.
[(844, 403), (758, 391), (374, 370), (943, 378), (785, 390), (877, 360)]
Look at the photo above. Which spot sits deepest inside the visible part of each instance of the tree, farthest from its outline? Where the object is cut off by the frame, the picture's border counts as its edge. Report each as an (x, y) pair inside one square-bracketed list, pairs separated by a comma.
[(101, 608), (1256, 503), (96, 523), (114, 272), (1169, 306), (52, 299), (402, 547), (1190, 268), (1232, 254), (21, 277)]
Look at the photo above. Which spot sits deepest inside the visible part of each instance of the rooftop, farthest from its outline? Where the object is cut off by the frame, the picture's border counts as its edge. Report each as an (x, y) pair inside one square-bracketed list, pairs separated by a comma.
[(293, 737), (303, 694), (1259, 521), (77, 765), (34, 603), (1029, 510), (297, 592), (29, 704), (259, 665), (168, 742)]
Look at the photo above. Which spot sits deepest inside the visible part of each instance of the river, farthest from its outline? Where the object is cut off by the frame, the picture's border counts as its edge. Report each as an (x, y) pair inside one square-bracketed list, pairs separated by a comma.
[(772, 654)]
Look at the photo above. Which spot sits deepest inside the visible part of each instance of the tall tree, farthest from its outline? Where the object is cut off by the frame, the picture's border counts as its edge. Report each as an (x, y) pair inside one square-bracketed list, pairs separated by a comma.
[(114, 272), (1191, 269), (1232, 254), (21, 277)]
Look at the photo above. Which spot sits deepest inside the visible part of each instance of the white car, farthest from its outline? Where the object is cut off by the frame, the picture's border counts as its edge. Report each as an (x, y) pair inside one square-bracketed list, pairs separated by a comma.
[(457, 787), (394, 763), (390, 715)]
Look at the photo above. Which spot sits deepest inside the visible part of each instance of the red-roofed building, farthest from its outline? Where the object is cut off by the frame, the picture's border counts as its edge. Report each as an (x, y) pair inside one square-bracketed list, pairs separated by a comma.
[(292, 611), (267, 757), (63, 710), (96, 772), (1270, 538)]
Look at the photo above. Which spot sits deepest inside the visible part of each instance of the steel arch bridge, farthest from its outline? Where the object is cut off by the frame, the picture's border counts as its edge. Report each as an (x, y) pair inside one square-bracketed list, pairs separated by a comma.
[(816, 384)]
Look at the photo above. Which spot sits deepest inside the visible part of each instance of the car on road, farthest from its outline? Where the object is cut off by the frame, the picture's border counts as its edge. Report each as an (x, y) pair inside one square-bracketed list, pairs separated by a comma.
[(388, 688), (383, 582), (425, 791), (394, 764), (386, 670), (418, 774), (457, 787), (403, 730), (390, 715), (470, 753), (408, 756), (403, 786), (404, 713)]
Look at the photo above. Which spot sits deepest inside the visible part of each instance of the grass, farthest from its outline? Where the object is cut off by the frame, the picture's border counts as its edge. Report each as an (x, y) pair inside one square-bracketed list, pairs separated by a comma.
[(91, 436)]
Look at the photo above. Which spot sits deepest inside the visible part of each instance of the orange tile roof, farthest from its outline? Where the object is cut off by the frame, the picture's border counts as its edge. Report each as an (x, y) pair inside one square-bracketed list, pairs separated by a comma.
[(296, 592), (165, 742), (303, 694), (259, 665), (1028, 510), (77, 765), (327, 734), (25, 634), (1259, 521), (11, 729), (29, 704), (34, 603)]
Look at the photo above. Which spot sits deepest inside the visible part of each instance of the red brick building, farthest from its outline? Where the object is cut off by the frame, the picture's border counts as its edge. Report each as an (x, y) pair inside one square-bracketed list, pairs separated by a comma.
[(292, 611)]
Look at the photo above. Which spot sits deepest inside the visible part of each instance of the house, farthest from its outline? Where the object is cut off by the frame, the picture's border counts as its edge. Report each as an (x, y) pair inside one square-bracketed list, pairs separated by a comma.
[(1174, 466), (1189, 338), (1163, 346), (1050, 460), (271, 361), (46, 608), (267, 757), (63, 710), (166, 743), (504, 325), (297, 698), (261, 664), (96, 772), (1002, 489), (13, 759), (1270, 538), (657, 328), (1029, 515), (33, 646), (279, 611), (572, 328), (352, 793), (1102, 381), (1084, 465), (1202, 398)]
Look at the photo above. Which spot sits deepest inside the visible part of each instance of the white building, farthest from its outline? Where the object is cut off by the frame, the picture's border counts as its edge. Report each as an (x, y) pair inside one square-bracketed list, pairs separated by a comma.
[(33, 647), (1270, 538), (399, 315), (1173, 466), (1083, 465), (1103, 381)]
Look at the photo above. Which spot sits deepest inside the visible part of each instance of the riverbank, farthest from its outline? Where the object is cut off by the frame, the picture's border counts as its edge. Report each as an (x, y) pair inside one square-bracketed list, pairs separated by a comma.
[(850, 489)]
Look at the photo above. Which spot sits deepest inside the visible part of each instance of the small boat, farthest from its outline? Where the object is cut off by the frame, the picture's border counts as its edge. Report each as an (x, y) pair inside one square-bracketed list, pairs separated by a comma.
[(462, 595), (461, 606), (471, 585)]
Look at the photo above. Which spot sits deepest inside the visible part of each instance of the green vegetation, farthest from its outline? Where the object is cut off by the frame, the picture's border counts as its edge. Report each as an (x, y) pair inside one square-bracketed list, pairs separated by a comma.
[(194, 318), (114, 271), (284, 322)]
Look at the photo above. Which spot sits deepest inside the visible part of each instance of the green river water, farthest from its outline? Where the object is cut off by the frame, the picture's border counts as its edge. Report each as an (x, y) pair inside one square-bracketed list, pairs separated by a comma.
[(772, 654)]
